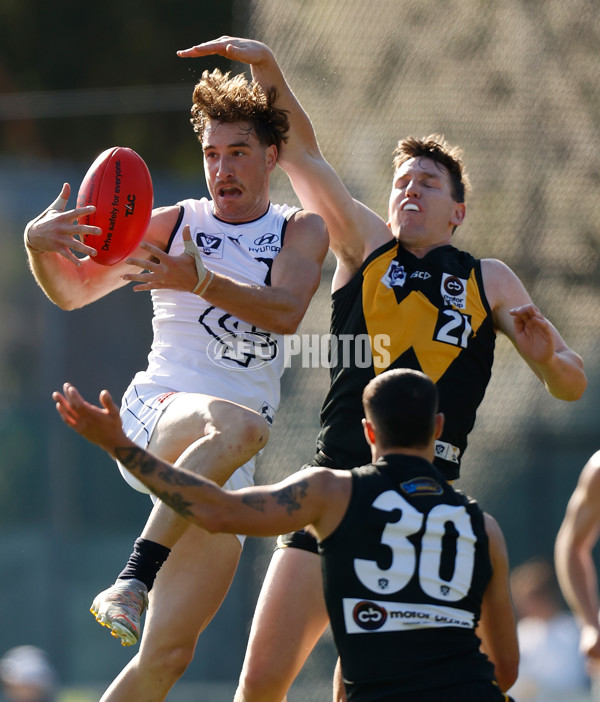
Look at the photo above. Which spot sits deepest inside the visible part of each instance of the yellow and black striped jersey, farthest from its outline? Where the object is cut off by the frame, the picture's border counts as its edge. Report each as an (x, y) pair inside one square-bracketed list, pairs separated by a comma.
[(401, 311)]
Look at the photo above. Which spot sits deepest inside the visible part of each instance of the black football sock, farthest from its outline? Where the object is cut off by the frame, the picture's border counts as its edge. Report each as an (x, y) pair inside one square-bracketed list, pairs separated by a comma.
[(145, 562)]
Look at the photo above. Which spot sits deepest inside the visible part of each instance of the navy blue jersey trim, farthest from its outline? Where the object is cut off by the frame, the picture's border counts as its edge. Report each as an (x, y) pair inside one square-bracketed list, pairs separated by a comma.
[(175, 228)]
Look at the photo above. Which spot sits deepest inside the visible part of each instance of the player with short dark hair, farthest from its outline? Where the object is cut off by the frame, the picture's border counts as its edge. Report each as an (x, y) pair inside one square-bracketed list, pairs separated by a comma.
[(412, 569), (222, 303), (401, 423)]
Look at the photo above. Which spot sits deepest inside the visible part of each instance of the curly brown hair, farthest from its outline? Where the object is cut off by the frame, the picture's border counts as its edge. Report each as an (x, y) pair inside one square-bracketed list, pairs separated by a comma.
[(220, 97), (437, 149)]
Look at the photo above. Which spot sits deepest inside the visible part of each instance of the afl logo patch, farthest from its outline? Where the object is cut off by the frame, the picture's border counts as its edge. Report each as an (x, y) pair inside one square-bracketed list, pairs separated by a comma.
[(454, 291), (369, 616)]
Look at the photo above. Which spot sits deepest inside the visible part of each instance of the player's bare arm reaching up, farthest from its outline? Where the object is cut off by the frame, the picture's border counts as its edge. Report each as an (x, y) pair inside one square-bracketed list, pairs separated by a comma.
[(355, 231)]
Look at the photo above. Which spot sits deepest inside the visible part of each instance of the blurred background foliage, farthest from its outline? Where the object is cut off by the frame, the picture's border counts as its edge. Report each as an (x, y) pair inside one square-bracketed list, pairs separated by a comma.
[(111, 63)]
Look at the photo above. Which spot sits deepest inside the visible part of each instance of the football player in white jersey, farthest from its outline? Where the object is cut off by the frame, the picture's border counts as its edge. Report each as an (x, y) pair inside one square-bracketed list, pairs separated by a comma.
[(228, 276)]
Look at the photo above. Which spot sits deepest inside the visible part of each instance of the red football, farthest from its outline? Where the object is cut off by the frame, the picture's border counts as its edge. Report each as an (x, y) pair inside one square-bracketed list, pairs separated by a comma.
[(118, 183)]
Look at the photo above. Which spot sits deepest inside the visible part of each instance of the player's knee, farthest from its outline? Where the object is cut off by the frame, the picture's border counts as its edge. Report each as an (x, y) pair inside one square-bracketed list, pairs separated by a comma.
[(255, 430), (173, 661), (259, 684), (246, 428), (249, 427)]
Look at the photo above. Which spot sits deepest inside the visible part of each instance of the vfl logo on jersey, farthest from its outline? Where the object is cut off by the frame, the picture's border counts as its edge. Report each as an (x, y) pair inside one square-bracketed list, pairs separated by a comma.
[(236, 345), (421, 486), (395, 276), (454, 291), (266, 243), (210, 244), (369, 616)]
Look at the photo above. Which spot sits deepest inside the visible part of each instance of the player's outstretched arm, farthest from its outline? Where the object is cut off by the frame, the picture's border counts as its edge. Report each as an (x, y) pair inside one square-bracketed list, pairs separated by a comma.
[(278, 307), (497, 626), (301, 142), (50, 240), (71, 282), (313, 496), (575, 567), (535, 338), (354, 230), (101, 425), (56, 230)]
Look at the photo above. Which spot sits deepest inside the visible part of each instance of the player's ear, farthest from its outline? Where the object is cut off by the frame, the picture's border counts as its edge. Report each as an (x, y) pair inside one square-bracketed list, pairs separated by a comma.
[(271, 155), (458, 215), (369, 432)]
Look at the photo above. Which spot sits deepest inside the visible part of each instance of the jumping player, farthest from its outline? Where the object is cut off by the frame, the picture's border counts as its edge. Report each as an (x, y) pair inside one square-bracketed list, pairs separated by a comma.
[(440, 310), (410, 566), (221, 299)]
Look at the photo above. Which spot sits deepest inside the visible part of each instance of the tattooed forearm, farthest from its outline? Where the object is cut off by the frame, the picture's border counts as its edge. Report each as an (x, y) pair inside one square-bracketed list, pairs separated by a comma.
[(162, 476), (179, 477), (140, 461), (137, 460), (176, 502), (257, 503), (289, 497)]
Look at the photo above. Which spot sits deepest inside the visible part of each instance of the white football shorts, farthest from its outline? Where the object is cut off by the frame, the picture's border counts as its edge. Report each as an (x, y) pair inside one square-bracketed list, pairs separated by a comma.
[(141, 408)]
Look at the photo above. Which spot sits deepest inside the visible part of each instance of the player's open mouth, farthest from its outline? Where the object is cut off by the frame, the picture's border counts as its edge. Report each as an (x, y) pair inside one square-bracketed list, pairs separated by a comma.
[(229, 192), (410, 207)]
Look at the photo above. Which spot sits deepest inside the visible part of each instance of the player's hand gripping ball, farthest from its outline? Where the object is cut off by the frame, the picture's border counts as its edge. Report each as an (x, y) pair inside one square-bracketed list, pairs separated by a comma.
[(118, 184)]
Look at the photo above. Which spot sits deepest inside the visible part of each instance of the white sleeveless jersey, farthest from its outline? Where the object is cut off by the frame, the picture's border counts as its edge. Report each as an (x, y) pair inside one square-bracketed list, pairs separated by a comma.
[(200, 348)]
